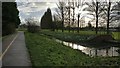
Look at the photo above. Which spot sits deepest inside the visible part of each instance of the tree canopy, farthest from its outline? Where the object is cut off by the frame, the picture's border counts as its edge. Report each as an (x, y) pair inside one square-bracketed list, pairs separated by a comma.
[(10, 18), (46, 20)]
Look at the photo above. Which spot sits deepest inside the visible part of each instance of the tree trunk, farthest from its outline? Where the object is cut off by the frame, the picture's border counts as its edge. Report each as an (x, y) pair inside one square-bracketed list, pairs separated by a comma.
[(62, 20), (96, 17), (78, 22), (108, 15), (69, 18), (73, 17)]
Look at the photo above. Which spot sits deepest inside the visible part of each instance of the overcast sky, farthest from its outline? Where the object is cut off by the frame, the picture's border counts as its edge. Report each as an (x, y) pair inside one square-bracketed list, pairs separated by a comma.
[(34, 9)]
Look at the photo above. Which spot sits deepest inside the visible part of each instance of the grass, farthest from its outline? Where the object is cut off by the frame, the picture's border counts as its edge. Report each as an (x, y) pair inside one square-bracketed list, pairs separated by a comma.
[(116, 35), (82, 32), (65, 36), (47, 52), (78, 38), (81, 36)]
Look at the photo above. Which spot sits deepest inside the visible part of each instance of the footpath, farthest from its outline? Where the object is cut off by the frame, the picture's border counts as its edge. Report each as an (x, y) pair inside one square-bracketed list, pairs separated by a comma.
[(15, 52)]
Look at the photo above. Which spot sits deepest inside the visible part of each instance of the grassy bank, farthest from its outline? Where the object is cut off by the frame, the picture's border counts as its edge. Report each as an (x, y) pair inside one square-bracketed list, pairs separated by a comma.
[(47, 52), (79, 38)]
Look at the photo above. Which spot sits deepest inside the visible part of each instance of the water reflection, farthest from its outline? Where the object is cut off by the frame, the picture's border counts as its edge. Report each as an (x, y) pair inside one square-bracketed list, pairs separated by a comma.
[(106, 51)]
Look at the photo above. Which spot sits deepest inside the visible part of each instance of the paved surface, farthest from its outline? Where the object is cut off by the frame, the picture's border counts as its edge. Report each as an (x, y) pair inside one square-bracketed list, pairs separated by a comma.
[(17, 54), (6, 41)]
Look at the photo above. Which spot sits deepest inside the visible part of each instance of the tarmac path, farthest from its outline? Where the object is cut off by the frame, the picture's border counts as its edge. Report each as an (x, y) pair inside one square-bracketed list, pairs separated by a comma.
[(15, 52)]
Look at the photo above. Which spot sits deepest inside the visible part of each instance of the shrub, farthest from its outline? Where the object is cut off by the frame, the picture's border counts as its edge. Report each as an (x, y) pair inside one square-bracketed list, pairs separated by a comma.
[(32, 27), (8, 28)]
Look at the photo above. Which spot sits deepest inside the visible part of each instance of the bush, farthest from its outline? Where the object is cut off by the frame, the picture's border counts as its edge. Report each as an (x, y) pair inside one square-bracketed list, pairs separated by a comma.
[(8, 28), (32, 27)]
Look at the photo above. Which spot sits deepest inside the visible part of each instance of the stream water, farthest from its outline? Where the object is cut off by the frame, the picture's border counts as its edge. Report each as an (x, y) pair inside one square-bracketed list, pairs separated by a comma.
[(91, 51)]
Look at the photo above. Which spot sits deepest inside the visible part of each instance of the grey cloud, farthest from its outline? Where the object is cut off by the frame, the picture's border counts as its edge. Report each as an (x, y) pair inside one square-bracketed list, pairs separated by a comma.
[(34, 9)]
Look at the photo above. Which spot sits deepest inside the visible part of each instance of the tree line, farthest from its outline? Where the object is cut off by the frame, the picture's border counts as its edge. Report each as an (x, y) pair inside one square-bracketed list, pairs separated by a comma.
[(10, 18), (101, 11)]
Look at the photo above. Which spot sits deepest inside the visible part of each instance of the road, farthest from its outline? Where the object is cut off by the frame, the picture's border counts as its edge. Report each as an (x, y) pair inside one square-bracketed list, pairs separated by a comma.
[(15, 52)]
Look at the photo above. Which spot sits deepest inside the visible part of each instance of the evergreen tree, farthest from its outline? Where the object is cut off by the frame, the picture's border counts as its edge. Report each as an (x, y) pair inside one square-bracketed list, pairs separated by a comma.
[(46, 20), (44, 25), (10, 18)]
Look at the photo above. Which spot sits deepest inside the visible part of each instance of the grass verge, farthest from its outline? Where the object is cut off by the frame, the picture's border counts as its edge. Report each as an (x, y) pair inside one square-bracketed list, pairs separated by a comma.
[(47, 52)]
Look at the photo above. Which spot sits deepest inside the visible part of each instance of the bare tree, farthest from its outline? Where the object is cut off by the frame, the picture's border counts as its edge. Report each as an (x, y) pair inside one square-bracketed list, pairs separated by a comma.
[(73, 7), (60, 12), (78, 23), (64, 12), (96, 17), (108, 13), (93, 10), (115, 14), (101, 12), (108, 16)]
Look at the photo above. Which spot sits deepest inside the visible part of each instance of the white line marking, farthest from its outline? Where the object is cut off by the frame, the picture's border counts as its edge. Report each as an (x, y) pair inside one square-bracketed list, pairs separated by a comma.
[(8, 47)]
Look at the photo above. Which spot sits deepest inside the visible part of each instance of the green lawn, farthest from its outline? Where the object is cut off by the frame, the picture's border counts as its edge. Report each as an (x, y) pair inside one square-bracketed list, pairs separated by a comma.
[(83, 32), (65, 36), (116, 35), (47, 52)]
